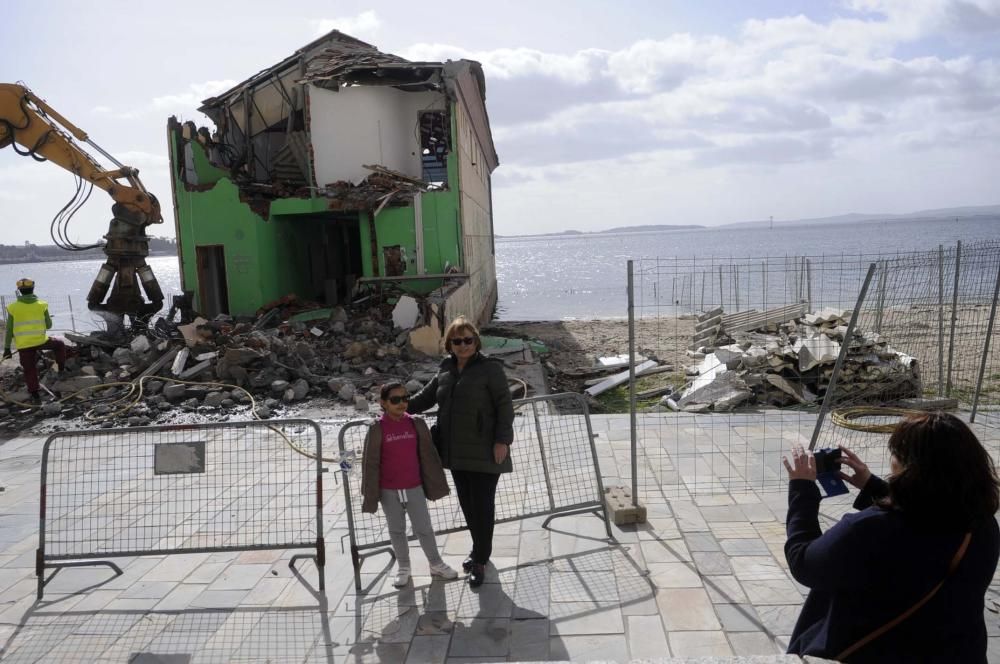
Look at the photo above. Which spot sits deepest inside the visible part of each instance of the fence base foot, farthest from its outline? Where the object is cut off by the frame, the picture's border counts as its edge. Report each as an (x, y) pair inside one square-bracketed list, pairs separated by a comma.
[(598, 512), (43, 581), (310, 556)]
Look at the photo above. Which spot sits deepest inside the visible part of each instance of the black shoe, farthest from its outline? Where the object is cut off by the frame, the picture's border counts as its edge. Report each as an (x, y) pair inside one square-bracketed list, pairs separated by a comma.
[(467, 564), (34, 398), (477, 575)]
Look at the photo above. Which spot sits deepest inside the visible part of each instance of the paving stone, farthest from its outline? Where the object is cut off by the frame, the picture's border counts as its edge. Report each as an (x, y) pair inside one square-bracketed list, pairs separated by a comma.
[(712, 563), (757, 568), (750, 644), (674, 575), (586, 618), (772, 591), (529, 640), (738, 617), (701, 542), (665, 551), (699, 644), (646, 637), (582, 586), (745, 547), (487, 601), (686, 609), (780, 618), (424, 649), (595, 648), (481, 637)]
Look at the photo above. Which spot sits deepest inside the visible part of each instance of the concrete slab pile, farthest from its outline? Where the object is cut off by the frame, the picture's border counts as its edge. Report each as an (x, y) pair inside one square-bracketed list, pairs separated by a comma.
[(791, 362)]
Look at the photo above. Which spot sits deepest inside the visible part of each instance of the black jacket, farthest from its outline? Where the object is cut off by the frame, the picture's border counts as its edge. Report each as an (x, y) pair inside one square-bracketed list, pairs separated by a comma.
[(875, 564), (475, 411)]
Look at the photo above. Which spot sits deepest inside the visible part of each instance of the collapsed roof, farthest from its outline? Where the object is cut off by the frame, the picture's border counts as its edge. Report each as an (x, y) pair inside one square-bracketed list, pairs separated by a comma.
[(263, 124)]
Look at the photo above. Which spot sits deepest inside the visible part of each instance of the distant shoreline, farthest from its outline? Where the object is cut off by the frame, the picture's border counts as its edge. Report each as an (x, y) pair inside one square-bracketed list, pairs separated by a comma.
[(71, 256)]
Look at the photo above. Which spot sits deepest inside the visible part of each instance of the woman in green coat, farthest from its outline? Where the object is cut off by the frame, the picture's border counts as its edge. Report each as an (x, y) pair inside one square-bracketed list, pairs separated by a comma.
[(475, 428)]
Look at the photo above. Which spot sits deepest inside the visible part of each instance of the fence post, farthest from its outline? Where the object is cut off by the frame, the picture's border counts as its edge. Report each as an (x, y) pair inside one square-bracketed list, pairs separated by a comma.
[(809, 285), (72, 316), (940, 320), (954, 316), (986, 347), (880, 305), (722, 298), (848, 337), (633, 429)]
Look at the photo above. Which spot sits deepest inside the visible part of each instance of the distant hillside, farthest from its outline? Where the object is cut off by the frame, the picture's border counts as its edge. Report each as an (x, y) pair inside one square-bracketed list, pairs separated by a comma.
[(858, 217), (650, 228)]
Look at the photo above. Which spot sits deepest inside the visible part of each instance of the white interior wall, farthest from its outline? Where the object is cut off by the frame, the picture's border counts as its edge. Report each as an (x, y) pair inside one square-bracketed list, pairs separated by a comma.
[(366, 125)]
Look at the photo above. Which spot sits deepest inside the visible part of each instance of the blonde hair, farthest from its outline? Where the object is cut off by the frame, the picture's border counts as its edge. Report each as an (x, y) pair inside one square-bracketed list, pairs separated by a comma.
[(456, 326)]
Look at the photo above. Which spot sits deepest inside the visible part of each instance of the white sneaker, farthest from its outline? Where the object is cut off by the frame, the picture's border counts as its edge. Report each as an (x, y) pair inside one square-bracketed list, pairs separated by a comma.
[(441, 569), (402, 577)]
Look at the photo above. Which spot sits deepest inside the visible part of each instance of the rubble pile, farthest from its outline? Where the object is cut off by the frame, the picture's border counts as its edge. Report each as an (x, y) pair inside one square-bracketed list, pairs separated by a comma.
[(279, 357), (791, 362)]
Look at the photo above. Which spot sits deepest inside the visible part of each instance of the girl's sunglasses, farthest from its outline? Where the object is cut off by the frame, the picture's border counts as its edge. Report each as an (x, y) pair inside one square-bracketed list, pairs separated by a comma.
[(396, 400), (458, 341)]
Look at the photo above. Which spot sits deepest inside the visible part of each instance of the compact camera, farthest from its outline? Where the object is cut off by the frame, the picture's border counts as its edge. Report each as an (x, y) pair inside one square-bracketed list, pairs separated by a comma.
[(828, 471)]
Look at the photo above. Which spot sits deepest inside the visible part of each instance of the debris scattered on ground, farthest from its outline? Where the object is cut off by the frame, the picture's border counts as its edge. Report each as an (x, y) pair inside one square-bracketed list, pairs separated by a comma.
[(787, 358)]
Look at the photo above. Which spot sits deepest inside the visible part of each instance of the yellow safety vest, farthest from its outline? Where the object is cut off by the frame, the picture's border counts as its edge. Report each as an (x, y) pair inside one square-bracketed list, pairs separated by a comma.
[(29, 323)]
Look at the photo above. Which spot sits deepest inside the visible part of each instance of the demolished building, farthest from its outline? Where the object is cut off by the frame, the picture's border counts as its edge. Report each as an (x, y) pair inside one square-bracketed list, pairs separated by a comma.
[(339, 167)]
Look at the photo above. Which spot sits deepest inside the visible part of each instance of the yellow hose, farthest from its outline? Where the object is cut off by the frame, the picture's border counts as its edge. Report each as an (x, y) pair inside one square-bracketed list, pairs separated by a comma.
[(844, 417)]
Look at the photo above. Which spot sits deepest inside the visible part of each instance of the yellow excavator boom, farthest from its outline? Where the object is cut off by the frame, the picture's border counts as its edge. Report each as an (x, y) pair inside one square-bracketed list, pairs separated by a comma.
[(28, 121)]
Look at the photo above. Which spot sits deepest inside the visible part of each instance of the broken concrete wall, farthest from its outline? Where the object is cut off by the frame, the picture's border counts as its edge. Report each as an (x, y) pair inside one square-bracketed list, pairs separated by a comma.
[(366, 125)]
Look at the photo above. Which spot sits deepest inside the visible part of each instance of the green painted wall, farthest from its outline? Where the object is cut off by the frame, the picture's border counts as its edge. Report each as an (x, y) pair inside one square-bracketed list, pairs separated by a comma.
[(264, 258)]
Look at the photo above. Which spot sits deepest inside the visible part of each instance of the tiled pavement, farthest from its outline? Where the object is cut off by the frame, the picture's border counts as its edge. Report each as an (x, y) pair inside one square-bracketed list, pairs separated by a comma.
[(705, 577)]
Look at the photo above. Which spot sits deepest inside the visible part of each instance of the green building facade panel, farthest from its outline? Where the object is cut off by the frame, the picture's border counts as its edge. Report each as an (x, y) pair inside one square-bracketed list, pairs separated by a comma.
[(266, 259)]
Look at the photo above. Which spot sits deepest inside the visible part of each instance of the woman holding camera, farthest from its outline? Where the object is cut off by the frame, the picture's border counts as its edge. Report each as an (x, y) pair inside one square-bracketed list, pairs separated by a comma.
[(904, 579), (475, 427)]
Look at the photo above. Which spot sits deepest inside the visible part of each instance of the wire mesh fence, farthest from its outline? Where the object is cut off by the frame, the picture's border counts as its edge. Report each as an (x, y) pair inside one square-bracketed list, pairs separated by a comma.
[(179, 489), (555, 472), (747, 351)]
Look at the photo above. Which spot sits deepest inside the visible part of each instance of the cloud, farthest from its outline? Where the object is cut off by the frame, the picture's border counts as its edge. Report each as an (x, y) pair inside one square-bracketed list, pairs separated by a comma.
[(192, 97), (781, 90), (365, 24)]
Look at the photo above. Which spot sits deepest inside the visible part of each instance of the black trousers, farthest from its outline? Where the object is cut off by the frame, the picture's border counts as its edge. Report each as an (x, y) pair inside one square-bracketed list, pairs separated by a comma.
[(477, 495)]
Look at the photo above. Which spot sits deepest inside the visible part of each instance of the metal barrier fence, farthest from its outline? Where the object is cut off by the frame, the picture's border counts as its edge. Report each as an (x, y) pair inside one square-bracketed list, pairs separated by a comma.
[(922, 330), (237, 486), (556, 473)]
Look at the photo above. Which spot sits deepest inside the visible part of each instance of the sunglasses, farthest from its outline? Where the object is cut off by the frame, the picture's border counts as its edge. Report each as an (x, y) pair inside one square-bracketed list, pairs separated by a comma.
[(458, 341), (396, 400)]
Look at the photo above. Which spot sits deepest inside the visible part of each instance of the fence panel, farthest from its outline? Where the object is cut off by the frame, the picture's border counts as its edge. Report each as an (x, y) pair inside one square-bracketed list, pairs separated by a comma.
[(921, 333), (180, 489), (555, 473)]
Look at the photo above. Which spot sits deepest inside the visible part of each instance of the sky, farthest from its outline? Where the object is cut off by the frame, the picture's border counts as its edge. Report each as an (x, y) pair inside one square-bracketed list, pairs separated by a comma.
[(604, 113)]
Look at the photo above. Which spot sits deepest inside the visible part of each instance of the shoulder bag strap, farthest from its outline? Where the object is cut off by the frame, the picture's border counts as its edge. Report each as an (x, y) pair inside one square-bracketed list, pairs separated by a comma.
[(956, 559)]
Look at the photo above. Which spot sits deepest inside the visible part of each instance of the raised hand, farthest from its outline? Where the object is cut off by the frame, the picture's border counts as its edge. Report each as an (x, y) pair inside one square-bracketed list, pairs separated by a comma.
[(802, 466), (861, 473)]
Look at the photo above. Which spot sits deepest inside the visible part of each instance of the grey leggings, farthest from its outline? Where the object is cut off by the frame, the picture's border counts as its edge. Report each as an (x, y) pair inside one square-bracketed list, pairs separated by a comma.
[(395, 516)]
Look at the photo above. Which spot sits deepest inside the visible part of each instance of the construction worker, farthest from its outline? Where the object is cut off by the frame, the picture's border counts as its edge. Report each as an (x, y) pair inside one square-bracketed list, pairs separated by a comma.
[(27, 321)]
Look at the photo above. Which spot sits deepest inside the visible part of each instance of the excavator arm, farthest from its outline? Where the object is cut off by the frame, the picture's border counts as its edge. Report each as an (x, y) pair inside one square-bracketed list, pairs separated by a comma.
[(28, 121)]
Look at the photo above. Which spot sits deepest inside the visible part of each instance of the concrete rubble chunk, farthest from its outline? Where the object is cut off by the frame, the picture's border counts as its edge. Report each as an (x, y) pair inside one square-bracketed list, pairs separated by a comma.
[(796, 390), (414, 386), (174, 392), (75, 384), (214, 399), (347, 392), (192, 336), (279, 386), (140, 344), (406, 313), (720, 388), (195, 370), (180, 361), (817, 350), (360, 403), (300, 389)]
